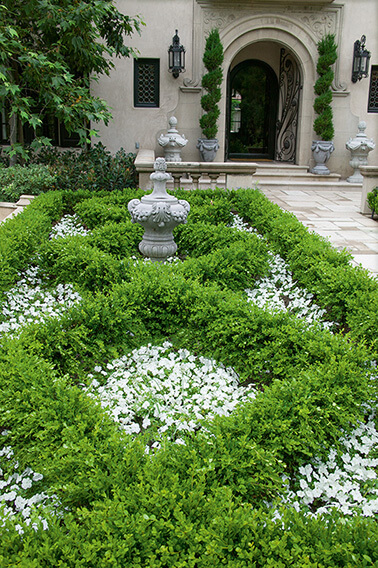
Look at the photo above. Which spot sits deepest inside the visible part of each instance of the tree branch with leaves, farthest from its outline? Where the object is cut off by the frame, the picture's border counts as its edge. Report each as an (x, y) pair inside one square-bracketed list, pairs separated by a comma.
[(50, 51)]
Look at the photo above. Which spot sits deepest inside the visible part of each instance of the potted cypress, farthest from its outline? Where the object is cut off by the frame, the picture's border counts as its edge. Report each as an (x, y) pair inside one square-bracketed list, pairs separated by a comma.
[(211, 81), (323, 124)]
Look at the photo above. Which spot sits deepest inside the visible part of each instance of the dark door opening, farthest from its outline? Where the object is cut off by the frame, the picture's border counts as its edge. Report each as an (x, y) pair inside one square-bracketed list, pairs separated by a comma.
[(252, 103)]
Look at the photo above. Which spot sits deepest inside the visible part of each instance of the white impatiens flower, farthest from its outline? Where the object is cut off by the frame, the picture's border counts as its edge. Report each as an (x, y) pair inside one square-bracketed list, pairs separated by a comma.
[(29, 302), (69, 225), (19, 495), (157, 389), (347, 482), (278, 291)]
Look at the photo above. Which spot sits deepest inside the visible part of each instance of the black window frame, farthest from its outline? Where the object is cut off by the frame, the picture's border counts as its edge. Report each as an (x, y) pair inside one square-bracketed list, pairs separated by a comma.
[(155, 102), (373, 78)]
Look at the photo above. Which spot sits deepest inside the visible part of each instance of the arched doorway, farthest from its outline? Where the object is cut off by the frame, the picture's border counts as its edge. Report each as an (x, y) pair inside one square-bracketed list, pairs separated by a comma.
[(252, 105)]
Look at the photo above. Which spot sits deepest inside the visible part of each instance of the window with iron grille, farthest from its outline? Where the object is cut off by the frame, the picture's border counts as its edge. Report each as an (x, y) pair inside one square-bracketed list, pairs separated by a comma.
[(146, 82), (373, 91)]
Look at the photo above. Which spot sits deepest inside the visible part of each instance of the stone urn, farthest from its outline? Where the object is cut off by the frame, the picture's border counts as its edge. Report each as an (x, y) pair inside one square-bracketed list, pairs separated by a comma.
[(159, 213), (321, 152), (208, 149), (172, 142), (359, 147)]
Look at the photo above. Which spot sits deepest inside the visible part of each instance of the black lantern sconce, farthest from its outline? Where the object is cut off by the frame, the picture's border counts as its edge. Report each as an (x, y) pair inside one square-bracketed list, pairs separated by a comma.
[(361, 58), (176, 56)]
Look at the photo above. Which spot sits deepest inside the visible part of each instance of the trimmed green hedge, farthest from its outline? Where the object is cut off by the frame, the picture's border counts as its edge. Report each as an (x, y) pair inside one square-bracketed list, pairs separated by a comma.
[(203, 504)]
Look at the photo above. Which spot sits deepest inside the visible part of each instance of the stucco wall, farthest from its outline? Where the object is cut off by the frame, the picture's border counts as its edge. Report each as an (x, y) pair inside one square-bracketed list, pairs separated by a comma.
[(248, 28)]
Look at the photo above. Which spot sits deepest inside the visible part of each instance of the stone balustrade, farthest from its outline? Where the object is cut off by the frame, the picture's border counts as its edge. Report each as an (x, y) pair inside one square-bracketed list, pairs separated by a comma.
[(195, 175)]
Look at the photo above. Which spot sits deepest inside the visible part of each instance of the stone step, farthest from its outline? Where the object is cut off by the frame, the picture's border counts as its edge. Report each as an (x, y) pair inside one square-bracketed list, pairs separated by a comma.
[(280, 169), (321, 183)]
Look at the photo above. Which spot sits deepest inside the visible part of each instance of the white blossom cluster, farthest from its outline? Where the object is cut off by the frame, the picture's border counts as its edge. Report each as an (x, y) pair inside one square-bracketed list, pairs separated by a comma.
[(347, 482), (278, 291), (19, 499), (69, 225), (165, 391), (29, 302)]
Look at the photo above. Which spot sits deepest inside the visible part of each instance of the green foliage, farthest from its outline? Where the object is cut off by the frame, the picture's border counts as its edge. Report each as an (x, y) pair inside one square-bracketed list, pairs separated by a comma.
[(74, 260), (346, 292), (48, 51), (235, 266), (372, 199), (211, 81), (203, 504), (323, 124), (21, 236), (29, 180), (95, 169)]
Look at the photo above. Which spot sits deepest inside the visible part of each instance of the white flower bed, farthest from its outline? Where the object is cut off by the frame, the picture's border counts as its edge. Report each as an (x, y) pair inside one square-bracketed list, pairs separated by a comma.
[(19, 496), (69, 225), (278, 291), (347, 482), (28, 302), (166, 392)]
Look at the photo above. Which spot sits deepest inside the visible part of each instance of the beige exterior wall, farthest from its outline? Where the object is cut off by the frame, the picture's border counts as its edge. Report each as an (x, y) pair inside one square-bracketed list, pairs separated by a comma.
[(248, 29)]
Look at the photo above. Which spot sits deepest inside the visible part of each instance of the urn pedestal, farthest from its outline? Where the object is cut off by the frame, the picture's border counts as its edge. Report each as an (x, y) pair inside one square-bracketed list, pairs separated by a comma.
[(172, 142), (359, 147), (321, 152), (159, 213)]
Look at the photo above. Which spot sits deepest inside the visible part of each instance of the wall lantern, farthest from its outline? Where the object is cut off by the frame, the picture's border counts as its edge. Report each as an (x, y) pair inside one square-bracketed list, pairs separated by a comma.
[(176, 56), (361, 58)]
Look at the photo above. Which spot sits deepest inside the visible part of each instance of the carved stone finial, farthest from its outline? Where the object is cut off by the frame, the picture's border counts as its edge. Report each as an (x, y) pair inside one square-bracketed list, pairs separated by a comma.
[(160, 165)]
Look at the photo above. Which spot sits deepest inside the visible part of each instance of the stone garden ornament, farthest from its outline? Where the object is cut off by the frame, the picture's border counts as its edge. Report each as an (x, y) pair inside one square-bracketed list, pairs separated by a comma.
[(172, 142), (359, 147), (159, 213)]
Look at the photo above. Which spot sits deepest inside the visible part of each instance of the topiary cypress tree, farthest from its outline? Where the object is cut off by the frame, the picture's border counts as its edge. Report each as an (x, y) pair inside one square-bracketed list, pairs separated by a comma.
[(211, 81), (323, 124)]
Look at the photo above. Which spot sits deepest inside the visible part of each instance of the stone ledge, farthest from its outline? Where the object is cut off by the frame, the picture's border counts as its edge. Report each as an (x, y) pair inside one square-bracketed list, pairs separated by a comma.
[(370, 181), (9, 210)]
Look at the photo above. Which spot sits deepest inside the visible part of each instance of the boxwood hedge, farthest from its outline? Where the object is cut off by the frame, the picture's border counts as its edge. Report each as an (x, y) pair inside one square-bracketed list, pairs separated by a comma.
[(206, 503)]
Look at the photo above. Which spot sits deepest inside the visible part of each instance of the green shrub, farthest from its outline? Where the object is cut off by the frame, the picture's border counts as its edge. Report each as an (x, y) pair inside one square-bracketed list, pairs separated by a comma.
[(212, 502), (94, 169), (119, 239), (211, 82), (21, 236), (74, 260), (236, 266), (372, 198), (323, 124), (29, 180)]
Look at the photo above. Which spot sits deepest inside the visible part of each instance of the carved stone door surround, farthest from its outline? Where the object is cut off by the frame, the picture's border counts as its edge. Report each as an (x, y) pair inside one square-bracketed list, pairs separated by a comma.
[(293, 25)]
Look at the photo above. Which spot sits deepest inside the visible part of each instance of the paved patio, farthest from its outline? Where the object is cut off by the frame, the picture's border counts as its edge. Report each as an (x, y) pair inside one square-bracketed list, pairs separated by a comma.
[(334, 214)]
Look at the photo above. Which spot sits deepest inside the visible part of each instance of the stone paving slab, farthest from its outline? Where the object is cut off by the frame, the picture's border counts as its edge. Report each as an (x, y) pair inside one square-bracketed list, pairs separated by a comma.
[(336, 216)]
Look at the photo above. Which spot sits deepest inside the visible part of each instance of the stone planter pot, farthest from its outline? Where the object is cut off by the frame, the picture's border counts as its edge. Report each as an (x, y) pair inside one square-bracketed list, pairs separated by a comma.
[(208, 149), (321, 151)]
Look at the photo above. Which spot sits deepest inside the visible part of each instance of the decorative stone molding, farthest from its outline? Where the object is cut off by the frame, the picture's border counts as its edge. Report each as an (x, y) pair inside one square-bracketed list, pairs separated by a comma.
[(316, 20)]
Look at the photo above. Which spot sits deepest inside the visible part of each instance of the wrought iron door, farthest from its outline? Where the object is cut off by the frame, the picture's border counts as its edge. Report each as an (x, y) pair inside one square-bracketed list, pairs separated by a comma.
[(289, 95)]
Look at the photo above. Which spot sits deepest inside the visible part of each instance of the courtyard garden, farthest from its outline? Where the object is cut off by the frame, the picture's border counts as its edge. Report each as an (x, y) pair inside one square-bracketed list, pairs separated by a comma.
[(217, 409)]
